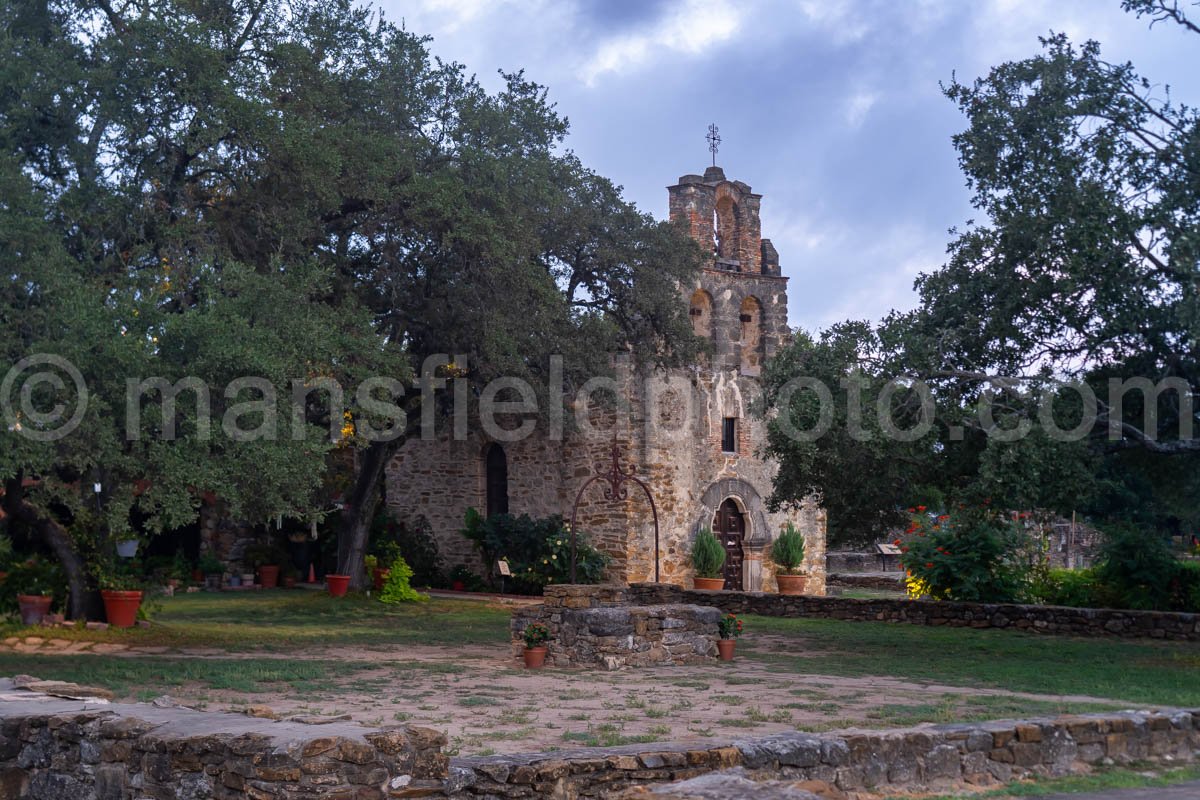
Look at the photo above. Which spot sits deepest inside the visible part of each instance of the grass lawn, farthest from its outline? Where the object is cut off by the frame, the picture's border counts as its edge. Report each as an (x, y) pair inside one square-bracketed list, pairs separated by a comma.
[(1134, 671), (1102, 780), (291, 620)]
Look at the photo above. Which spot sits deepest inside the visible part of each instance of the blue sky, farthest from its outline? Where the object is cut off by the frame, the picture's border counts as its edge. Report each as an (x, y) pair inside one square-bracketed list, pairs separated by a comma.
[(832, 110)]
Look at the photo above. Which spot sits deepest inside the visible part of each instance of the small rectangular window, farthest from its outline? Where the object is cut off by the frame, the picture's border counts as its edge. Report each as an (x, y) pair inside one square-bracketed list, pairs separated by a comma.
[(729, 435)]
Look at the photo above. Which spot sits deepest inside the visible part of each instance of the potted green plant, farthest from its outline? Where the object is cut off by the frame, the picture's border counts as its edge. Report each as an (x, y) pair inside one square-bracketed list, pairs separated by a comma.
[(265, 557), (212, 569), (787, 554), (121, 591), (382, 564), (536, 635), (729, 629), (708, 559), (33, 582)]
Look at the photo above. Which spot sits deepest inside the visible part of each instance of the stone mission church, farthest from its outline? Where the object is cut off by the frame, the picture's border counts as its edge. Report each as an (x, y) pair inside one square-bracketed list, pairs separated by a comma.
[(689, 432)]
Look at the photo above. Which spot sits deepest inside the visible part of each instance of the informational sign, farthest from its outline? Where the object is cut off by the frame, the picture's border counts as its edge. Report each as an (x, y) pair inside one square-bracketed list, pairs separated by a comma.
[(502, 565), (888, 549)]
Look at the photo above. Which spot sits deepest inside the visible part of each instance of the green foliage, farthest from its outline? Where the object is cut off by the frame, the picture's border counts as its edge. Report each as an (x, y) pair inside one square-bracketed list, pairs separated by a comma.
[(470, 581), (1137, 567), (35, 576), (265, 553), (413, 541), (970, 555), (538, 551), (1078, 588), (397, 588), (787, 551), (536, 634), (729, 627), (708, 556), (209, 564)]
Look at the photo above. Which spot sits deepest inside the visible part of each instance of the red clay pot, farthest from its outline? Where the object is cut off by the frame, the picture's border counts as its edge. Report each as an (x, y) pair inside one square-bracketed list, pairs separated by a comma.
[(268, 576), (535, 657), (378, 576), (458, 586), (34, 607), (289, 582), (725, 648), (791, 584), (709, 584), (197, 576), (121, 607), (337, 585)]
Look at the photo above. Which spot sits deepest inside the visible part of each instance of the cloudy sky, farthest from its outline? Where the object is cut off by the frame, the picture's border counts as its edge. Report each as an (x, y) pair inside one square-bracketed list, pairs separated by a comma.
[(829, 108)]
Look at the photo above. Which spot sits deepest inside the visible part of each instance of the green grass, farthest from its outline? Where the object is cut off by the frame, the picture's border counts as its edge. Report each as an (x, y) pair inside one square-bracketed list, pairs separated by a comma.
[(1131, 671), (287, 620), (1119, 778)]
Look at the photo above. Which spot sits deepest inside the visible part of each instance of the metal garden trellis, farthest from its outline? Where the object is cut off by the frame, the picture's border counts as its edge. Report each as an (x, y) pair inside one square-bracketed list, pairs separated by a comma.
[(615, 491)]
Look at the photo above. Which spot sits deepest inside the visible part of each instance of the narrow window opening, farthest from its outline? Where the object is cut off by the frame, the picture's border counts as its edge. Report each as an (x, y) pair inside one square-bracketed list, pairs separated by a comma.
[(496, 464), (729, 435)]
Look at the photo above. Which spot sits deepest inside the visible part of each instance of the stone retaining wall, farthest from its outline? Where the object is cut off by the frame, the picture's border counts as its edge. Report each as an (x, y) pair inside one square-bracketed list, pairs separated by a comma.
[(936, 757), (1056, 620), (892, 582), (72, 750)]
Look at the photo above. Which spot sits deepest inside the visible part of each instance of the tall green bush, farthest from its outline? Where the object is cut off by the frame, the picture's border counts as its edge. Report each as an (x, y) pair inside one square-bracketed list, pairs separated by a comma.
[(708, 556), (1137, 567), (397, 588), (787, 552)]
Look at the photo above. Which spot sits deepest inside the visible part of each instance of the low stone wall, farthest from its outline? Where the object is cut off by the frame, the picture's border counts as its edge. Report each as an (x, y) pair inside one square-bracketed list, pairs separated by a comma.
[(892, 582), (936, 757), (53, 749), (1055, 620), (596, 626)]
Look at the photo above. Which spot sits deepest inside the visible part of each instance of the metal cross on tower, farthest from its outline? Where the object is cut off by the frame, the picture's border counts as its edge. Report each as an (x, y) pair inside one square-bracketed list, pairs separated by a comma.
[(714, 141)]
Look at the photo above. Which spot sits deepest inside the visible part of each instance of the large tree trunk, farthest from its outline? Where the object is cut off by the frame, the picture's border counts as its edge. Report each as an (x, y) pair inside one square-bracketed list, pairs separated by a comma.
[(360, 510), (79, 601)]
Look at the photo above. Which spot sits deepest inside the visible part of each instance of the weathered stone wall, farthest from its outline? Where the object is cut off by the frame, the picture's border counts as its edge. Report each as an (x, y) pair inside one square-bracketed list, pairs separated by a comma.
[(593, 626), (1056, 620), (69, 750), (934, 757)]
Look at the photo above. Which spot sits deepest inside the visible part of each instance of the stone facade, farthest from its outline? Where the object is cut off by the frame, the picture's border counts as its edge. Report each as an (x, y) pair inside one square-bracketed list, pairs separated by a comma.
[(690, 433), (1052, 620), (594, 626)]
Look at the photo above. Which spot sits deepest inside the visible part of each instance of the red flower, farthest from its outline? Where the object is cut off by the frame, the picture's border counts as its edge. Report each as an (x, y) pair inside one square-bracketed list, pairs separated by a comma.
[(928, 565), (920, 508), (897, 543)]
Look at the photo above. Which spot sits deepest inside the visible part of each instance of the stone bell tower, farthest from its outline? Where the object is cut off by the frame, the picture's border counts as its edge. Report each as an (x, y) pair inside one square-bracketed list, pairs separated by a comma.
[(741, 302)]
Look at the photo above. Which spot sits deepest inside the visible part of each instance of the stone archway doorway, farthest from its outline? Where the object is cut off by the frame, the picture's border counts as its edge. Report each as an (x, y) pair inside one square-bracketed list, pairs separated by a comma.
[(730, 527)]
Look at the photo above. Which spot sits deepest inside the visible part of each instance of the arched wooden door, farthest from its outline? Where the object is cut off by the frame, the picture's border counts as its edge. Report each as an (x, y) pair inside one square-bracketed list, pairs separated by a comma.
[(730, 527)]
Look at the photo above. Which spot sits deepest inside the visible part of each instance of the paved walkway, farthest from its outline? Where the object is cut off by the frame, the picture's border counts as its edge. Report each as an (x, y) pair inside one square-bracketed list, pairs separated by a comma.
[(1183, 791)]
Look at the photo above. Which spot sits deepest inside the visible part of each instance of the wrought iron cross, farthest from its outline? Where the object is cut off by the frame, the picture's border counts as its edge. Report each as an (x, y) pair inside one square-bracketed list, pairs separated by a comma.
[(714, 141)]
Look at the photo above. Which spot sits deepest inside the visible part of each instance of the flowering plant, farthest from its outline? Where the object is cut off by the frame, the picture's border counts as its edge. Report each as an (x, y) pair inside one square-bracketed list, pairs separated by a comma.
[(536, 634), (971, 555), (730, 626)]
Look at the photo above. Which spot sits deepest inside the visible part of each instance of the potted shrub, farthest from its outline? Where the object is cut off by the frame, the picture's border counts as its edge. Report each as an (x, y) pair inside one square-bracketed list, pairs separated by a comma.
[(337, 585), (787, 554), (729, 628), (708, 559), (121, 591), (265, 557), (536, 635), (33, 583), (212, 569)]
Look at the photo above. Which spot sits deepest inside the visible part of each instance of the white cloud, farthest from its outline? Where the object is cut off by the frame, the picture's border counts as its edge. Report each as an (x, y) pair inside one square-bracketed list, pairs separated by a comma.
[(858, 106), (689, 29)]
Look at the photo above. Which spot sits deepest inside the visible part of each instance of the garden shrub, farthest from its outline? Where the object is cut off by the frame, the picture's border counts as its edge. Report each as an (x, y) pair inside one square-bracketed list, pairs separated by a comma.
[(397, 587), (787, 552), (969, 556), (708, 556), (1137, 568), (414, 541), (538, 551), (1185, 587), (1078, 588)]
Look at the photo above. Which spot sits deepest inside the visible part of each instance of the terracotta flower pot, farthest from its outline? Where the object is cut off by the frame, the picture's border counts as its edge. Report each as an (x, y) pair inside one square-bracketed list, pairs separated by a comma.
[(337, 585), (709, 584), (34, 607), (289, 582), (791, 584), (268, 576), (458, 586), (535, 657), (121, 607), (379, 575), (197, 576), (725, 648)]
